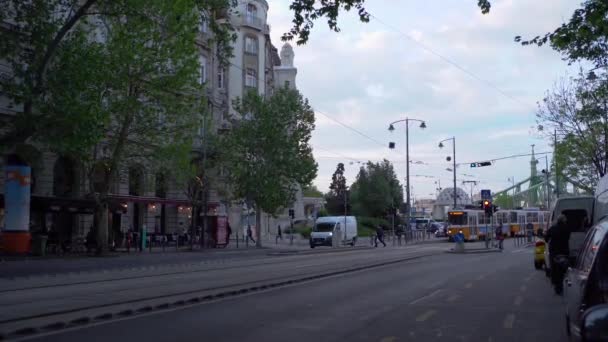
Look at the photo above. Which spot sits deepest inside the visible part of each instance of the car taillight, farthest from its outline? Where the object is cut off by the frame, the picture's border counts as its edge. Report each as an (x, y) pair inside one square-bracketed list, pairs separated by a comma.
[(539, 243)]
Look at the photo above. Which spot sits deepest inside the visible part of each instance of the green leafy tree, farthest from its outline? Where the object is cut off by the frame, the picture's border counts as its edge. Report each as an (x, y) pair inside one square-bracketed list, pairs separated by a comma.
[(577, 109), (56, 86), (504, 201), (337, 191), (306, 12), (582, 38), (377, 191), (267, 153), (312, 191), (151, 102)]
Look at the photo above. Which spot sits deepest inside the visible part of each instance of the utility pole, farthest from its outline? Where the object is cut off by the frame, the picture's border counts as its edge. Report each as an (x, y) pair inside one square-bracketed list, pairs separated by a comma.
[(512, 179), (345, 211), (455, 195), (473, 183), (454, 160), (547, 182), (407, 161), (555, 161)]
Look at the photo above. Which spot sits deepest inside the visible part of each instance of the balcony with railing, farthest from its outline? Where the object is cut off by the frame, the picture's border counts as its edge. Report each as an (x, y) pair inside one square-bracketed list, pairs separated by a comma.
[(253, 21)]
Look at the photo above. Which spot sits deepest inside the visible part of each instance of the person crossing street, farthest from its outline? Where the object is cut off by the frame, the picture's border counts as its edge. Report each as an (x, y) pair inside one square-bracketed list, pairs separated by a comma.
[(379, 236)]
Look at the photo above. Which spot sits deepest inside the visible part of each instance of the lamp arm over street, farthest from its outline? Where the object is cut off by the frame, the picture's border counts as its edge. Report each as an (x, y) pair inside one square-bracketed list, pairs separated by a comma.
[(391, 128)]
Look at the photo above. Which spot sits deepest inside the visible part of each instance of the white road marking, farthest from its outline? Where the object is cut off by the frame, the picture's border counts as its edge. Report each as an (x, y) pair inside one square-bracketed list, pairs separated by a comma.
[(468, 285), (388, 339), (425, 297), (508, 322), (523, 288), (425, 316), (453, 298), (481, 277)]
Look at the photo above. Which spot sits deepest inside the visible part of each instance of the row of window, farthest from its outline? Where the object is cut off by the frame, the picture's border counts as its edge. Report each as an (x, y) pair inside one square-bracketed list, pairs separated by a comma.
[(251, 75), (221, 72)]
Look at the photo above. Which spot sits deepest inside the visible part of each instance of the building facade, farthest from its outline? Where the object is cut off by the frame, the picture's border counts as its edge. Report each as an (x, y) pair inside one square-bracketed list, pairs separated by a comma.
[(143, 198)]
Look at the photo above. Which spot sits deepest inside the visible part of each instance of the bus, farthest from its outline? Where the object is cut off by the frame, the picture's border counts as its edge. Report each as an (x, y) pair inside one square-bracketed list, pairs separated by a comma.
[(467, 221)]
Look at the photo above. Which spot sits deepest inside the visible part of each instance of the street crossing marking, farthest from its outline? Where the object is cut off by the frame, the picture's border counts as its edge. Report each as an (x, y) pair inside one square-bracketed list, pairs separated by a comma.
[(481, 277), (523, 288), (453, 298), (509, 320), (425, 316), (468, 285), (518, 300)]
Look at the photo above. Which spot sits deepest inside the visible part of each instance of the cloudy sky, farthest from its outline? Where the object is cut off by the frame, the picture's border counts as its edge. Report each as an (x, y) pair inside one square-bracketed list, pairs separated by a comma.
[(439, 61)]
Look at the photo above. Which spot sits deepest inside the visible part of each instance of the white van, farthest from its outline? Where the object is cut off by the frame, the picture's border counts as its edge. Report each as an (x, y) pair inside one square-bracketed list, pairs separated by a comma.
[(323, 232), (579, 213)]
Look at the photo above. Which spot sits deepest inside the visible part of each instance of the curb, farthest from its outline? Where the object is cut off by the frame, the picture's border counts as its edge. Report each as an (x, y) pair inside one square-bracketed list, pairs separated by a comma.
[(185, 301)]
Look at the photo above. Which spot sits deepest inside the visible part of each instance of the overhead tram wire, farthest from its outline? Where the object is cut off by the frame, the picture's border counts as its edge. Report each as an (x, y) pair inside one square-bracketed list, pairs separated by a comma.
[(376, 141), (452, 63)]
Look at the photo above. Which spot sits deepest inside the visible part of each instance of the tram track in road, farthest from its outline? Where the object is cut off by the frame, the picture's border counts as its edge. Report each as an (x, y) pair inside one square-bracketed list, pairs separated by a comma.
[(60, 319), (274, 258)]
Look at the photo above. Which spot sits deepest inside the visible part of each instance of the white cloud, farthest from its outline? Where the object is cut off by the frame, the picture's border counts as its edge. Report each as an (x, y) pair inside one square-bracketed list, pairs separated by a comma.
[(373, 41), (369, 75), (510, 133)]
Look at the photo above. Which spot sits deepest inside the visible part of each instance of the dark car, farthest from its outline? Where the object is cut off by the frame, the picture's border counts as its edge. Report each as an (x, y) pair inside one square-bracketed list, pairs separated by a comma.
[(586, 285)]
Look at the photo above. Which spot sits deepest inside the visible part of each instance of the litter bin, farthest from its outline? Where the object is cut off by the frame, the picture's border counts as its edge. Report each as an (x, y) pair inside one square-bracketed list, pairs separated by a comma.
[(39, 244)]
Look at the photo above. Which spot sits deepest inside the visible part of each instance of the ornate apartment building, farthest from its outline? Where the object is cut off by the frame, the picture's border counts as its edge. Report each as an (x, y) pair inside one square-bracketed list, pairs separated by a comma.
[(144, 198)]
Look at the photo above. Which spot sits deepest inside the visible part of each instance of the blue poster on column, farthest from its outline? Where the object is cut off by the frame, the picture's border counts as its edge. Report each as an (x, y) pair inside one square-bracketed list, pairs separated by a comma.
[(17, 198)]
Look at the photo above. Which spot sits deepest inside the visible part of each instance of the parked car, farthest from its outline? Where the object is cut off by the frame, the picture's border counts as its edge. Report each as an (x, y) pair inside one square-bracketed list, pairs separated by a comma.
[(586, 281)]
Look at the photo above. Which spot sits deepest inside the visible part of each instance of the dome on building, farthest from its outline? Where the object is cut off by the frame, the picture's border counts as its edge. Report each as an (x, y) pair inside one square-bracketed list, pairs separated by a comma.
[(446, 197), (287, 55)]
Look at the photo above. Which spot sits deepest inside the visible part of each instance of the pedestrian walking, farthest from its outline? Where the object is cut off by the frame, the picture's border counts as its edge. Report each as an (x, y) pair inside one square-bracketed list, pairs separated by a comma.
[(379, 236), (250, 234), (279, 235), (228, 233), (499, 236), (557, 237)]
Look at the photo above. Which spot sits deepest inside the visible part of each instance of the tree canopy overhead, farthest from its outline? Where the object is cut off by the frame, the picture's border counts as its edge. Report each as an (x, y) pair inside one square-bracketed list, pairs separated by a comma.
[(267, 153)]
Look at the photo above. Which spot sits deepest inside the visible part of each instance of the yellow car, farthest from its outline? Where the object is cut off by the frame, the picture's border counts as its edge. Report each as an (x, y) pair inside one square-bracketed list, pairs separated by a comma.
[(539, 254)]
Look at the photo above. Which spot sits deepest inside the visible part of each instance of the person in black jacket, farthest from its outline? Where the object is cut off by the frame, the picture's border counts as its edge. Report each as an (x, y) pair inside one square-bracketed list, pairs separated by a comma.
[(379, 236), (557, 237)]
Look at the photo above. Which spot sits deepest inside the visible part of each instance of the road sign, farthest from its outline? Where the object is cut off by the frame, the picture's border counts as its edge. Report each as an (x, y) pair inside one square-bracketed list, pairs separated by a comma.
[(481, 164), (486, 194)]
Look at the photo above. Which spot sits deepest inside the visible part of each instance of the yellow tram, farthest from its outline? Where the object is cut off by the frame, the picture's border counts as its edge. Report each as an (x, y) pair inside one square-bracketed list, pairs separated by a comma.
[(474, 223), (516, 221), (467, 221)]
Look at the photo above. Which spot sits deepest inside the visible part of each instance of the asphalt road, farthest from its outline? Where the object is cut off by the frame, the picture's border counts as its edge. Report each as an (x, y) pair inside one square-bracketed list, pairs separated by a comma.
[(447, 297)]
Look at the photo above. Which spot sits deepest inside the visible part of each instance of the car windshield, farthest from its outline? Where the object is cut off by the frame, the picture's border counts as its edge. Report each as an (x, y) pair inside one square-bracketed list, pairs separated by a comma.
[(324, 227)]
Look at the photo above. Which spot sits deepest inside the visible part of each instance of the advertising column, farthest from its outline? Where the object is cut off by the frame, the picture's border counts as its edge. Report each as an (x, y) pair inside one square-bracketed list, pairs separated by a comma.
[(15, 233)]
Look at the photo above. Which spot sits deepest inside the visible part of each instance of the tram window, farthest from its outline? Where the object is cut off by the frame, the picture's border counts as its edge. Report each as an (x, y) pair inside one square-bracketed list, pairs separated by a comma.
[(457, 218), (513, 215)]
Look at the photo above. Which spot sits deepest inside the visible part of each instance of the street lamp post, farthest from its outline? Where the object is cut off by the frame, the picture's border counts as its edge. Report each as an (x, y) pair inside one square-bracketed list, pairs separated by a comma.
[(391, 128), (454, 161)]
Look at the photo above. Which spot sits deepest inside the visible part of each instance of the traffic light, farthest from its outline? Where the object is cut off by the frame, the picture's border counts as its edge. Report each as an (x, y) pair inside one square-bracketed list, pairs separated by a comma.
[(487, 207), (292, 213)]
